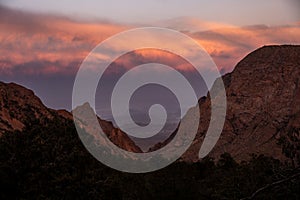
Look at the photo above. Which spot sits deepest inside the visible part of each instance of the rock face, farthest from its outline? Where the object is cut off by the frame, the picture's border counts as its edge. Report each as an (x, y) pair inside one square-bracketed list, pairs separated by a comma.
[(263, 107), (20, 108), (118, 137)]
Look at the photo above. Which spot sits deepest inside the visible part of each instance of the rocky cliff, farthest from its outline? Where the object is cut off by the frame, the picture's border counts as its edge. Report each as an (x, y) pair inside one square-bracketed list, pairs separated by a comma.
[(263, 107), (19, 107)]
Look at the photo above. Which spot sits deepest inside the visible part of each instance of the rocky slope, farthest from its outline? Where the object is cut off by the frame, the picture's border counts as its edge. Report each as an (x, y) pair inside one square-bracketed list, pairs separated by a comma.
[(115, 135), (263, 107), (20, 108)]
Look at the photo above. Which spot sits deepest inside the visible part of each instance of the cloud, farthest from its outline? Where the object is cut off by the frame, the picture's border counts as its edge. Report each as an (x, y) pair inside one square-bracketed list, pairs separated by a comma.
[(190, 24), (227, 46), (35, 43), (143, 56), (34, 38)]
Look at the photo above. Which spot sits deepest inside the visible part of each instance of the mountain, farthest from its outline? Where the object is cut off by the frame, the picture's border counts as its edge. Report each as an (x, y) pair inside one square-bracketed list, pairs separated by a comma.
[(117, 136), (41, 155), (263, 108), (21, 109)]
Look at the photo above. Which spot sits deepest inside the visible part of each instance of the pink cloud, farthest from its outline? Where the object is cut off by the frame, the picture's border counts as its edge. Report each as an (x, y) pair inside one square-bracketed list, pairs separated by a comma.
[(59, 44)]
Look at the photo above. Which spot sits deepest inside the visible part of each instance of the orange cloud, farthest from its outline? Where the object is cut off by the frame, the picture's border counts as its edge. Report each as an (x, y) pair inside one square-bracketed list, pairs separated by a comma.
[(189, 24), (30, 38), (143, 56), (32, 43), (227, 46)]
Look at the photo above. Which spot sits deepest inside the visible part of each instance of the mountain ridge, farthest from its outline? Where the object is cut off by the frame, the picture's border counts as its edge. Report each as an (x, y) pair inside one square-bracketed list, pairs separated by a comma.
[(262, 97), (263, 113), (263, 108), (20, 108)]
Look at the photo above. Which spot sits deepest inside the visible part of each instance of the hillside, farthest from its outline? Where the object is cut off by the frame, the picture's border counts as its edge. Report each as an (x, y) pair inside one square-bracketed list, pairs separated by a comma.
[(21, 109), (263, 107)]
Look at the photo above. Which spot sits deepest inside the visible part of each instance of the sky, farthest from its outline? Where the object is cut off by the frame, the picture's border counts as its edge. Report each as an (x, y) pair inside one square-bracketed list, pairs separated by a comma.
[(239, 13), (43, 43)]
